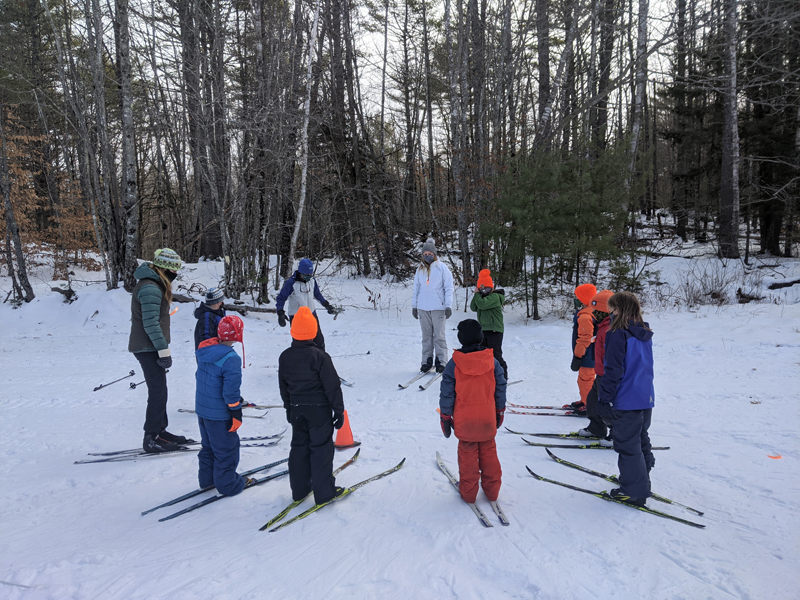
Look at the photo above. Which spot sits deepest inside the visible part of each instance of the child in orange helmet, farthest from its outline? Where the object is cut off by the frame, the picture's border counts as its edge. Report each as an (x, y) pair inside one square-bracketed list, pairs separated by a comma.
[(583, 327)]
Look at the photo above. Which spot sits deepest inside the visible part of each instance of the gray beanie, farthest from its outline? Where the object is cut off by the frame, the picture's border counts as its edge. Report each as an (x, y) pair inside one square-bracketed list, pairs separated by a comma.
[(429, 246)]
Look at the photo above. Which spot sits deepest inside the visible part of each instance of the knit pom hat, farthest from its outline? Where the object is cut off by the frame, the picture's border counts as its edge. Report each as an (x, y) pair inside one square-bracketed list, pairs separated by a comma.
[(166, 258), (429, 246), (600, 300), (231, 329), (306, 267), (470, 332), (214, 295), (485, 279), (585, 293), (304, 325)]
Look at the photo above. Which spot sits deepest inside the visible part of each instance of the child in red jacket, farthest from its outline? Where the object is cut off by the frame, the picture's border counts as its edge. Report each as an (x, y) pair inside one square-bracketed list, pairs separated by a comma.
[(472, 401)]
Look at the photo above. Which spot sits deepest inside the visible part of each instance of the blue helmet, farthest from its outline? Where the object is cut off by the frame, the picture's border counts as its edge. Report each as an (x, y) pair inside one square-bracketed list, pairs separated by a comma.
[(306, 267)]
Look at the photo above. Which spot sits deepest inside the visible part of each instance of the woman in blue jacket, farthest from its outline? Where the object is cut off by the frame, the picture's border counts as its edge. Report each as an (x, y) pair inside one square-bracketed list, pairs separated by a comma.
[(626, 395), (430, 303)]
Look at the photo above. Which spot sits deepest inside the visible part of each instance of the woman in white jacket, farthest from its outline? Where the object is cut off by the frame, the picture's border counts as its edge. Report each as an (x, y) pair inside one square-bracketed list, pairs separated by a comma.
[(433, 295)]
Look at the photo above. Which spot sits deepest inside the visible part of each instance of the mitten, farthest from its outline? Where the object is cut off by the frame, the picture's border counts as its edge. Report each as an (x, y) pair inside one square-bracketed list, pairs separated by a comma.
[(447, 424), (500, 416), (289, 416), (236, 420), (338, 420), (164, 359), (606, 413), (448, 312), (414, 313), (575, 365), (282, 318), (329, 307)]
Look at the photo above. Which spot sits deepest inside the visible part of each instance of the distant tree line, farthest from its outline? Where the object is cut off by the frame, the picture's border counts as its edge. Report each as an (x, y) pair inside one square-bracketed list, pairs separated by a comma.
[(533, 137)]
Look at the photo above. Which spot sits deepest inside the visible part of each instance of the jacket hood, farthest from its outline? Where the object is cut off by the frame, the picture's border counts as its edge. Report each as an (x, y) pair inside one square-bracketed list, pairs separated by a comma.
[(212, 350), (143, 271), (204, 308), (640, 333), (474, 362)]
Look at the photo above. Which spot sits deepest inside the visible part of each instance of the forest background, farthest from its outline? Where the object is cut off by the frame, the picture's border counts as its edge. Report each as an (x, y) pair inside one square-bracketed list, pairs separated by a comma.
[(539, 138)]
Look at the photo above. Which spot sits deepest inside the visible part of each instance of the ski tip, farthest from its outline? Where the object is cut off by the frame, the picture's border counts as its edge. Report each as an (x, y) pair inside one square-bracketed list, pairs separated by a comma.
[(553, 456), (531, 472), (353, 445)]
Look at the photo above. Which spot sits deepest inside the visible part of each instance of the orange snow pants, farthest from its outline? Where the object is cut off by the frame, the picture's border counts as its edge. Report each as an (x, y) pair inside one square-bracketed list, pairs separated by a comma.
[(478, 462), (585, 381)]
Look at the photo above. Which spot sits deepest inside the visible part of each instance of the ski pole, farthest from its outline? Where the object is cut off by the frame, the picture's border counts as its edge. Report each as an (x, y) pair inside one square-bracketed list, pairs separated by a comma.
[(102, 385), (133, 385), (346, 355)]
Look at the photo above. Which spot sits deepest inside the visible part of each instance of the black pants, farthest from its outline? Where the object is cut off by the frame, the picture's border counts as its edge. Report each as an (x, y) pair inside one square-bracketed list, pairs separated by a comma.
[(319, 341), (311, 454), (632, 443), (155, 420), (596, 425), (494, 340)]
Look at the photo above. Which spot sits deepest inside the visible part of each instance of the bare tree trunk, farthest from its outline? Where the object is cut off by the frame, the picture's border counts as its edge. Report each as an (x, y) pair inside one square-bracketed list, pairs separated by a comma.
[(304, 140), (640, 79), (430, 187), (130, 192), (729, 184), (12, 230)]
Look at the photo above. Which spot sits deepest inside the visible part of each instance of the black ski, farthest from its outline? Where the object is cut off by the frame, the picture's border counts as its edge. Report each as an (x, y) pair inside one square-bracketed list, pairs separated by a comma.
[(605, 496), (347, 492), (143, 454), (529, 407), (561, 436), (187, 410), (189, 443), (593, 446), (296, 503), (567, 413), (211, 487), (614, 479), (208, 501)]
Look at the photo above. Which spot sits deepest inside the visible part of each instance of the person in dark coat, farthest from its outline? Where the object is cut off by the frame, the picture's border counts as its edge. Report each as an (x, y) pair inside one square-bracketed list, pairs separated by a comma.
[(626, 395), (597, 427), (312, 396), (472, 402), (301, 289), (149, 343), (219, 408), (208, 316)]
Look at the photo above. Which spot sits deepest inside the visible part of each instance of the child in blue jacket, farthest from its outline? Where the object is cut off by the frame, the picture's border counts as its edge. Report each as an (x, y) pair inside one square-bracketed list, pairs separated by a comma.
[(219, 408), (626, 395)]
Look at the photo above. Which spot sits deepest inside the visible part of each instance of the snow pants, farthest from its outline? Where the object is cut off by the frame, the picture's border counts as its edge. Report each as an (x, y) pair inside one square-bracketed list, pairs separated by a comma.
[(155, 376), (596, 425), (311, 453), (219, 457), (632, 443), (494, 340), (478, 462), (432, 323), (319, 340), (585, 381)]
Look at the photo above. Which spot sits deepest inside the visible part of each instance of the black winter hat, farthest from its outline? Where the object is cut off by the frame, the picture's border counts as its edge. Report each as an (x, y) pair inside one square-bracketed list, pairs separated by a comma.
[(470, 332)]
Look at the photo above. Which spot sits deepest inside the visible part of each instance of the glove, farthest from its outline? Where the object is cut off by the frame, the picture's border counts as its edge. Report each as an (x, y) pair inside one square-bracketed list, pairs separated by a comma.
[(500, 416), (414, 313), (282, 318), (329, 307), (289, 416), (447, 424), (164, 359), (575, 365), (338, 420), (448, 312), (236, 420), (500, 291), (606, 412)]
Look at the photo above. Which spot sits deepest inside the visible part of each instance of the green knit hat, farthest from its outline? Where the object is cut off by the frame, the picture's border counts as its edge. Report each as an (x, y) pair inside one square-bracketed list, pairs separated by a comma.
[(166, 258)]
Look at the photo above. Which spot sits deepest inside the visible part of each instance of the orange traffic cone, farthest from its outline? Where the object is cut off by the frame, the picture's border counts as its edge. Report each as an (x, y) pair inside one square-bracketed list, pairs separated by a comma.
[(344, 437)]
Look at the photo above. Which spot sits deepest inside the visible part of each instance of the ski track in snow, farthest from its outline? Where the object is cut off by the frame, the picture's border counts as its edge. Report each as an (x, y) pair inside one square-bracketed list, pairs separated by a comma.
[(726, 398)]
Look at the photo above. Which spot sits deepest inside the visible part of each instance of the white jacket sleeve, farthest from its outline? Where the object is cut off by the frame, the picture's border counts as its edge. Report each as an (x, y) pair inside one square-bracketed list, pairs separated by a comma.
[(415, 292), (447, 281)]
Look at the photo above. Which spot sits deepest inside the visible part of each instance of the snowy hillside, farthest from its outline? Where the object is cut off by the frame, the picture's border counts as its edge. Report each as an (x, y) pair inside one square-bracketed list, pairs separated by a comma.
[(727, 403)]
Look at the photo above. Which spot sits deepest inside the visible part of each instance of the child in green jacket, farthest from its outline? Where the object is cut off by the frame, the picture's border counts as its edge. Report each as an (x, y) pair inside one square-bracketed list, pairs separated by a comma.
[(488, 303)]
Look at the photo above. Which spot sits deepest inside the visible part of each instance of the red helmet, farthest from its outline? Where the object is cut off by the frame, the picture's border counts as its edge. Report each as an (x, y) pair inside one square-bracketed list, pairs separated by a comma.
[(230, 329)]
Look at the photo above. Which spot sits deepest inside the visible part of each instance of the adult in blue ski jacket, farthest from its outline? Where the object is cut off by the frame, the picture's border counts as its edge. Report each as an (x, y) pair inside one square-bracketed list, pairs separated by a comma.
[(301, 289), (626, 395), (219, 409)]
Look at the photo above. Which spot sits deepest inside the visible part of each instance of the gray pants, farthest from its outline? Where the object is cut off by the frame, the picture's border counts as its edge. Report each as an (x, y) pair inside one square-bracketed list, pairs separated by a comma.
[(433, 323)]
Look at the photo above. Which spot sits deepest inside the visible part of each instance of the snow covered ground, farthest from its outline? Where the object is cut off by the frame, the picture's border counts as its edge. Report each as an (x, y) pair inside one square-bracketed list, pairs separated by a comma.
[(727, 392)]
